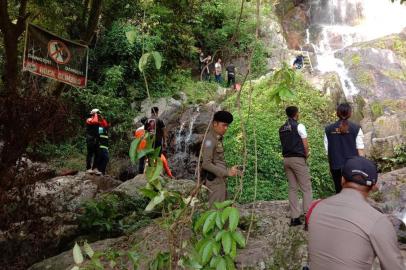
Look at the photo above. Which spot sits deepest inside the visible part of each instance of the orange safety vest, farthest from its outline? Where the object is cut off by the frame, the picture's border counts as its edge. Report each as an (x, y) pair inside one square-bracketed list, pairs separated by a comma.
[(139, 133)]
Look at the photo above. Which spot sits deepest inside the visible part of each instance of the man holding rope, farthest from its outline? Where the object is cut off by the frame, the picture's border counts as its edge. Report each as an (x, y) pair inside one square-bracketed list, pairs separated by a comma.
[(214, 167)]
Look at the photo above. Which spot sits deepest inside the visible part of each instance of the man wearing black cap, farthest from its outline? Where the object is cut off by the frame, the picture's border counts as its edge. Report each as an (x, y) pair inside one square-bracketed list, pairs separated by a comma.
[(345, 232), (214, 167)]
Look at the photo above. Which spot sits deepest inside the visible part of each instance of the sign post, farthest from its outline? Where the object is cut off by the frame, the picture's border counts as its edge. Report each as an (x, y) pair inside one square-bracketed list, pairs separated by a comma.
[(48, 55)]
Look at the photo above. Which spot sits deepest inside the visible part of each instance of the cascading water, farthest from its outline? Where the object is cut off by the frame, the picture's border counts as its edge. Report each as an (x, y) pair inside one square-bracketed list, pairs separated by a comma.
[(336, 24)]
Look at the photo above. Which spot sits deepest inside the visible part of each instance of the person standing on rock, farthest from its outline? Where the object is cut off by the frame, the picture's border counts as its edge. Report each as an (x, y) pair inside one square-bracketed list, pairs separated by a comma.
[(345, 232), (214, 167), (342, 140), (231, 75), (156, 127), (92, 138), (295, 151), (218, 71)]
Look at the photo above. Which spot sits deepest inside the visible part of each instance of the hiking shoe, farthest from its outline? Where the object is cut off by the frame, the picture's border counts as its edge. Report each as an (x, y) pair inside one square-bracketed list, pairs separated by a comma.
[(97, 172), (295, 222), (90, 171)]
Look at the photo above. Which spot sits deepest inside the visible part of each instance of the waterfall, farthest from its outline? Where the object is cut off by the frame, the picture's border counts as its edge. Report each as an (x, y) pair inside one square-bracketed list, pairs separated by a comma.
[(184, 136), (341, 23)]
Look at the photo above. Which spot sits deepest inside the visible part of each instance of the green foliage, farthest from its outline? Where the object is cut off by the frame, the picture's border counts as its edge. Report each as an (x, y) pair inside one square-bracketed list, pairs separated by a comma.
[(396, 162), (113, 214), (267, 117), (259, 62), (160, 262), (218, 239), (376, 110), (97, 260)]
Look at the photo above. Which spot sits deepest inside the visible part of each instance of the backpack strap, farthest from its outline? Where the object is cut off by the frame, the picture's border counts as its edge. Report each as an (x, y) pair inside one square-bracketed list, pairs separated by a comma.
[(309, 212)]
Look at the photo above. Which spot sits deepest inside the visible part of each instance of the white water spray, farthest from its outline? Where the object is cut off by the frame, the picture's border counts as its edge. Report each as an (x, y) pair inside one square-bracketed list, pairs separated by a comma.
[(345, 22)]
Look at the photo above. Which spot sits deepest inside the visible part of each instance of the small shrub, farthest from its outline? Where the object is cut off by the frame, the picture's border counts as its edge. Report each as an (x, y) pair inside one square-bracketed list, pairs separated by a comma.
[(113, 214)]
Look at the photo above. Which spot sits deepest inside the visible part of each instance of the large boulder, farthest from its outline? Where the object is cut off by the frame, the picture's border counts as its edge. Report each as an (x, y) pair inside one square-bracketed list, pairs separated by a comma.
[(132, 187), (67, 193)]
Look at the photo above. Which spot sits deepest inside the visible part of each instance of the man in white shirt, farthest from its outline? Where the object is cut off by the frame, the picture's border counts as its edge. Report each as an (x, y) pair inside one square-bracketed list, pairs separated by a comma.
[(295, 151), (217, 71)]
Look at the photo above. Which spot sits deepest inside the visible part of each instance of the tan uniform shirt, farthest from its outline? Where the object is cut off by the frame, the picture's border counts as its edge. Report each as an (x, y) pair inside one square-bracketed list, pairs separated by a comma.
[(213, 161), (346, 233)]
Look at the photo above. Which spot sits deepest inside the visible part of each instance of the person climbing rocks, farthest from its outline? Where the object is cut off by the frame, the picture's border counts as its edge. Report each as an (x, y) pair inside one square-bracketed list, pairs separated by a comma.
[(299, 61), (103, 151), (93, 123), (214, 168), (346, 232), (231, 75), (140, 133), (342, 140), (218, 71), (156, 127), (295, 151)]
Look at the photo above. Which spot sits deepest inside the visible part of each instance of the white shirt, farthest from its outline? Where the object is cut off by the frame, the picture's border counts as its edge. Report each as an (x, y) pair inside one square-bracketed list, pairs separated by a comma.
[(301, 129), (359, 141), (217, 67)]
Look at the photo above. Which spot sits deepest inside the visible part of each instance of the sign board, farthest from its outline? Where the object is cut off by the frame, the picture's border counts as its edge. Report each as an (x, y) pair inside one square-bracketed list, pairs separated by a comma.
[(48, 55)]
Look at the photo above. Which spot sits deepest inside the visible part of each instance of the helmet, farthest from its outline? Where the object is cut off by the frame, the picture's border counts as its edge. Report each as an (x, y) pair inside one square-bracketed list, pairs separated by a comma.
[(94, 111)]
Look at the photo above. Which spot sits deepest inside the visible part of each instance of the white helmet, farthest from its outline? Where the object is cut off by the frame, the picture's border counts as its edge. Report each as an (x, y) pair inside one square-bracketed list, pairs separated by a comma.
[(94, 111)]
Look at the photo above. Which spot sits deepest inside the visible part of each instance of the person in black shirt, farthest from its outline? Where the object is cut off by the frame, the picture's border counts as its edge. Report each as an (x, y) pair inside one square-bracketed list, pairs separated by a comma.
[(156, 127), (230, 75)]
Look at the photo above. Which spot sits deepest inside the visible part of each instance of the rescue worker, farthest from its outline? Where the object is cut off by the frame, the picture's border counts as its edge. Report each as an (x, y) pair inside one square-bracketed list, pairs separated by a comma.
[(345, 232), (295, 151), (140, 133), (214, 167), (92, 138), (342, 140), (156, 127), (103, 151), (298, 63), (231, 75)]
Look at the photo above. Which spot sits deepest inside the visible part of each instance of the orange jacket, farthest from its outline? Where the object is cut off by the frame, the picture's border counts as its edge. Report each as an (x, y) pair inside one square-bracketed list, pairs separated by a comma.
[(96, 120), (139, 133)]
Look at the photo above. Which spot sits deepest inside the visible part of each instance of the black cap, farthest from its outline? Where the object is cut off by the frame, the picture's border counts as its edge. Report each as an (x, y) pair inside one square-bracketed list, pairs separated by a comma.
[(223, 116), (361, 171)]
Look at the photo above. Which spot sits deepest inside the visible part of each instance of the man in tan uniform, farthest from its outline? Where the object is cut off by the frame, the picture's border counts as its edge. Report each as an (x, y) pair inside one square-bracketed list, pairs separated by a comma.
[(295, 151), (214, 167), (345, 232)]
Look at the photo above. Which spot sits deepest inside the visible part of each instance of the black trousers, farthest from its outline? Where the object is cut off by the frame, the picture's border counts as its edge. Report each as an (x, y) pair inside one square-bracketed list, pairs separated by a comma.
[(102, 160), (336, 174), (230, 80), (91, 157)]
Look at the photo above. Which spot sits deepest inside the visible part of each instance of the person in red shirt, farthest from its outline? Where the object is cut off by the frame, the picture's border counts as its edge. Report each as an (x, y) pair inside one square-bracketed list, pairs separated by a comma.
[(93, 123)]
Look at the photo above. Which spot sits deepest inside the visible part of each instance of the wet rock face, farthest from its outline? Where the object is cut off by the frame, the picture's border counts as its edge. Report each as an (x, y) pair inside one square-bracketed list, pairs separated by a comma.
[(294, 24)]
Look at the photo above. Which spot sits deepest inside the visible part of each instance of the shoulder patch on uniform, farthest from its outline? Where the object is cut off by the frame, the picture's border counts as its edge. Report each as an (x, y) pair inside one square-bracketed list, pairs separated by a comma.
[(208, 143)]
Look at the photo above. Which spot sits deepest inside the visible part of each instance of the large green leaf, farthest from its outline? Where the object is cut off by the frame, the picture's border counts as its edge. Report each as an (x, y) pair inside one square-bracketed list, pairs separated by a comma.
[(133, 150), (148, 192), (221, 264), (237, 236), (153, 172), (225, 214), (131, 36), (221, 205), (207, 252), (219, 235), (234, 218), (233, 252), (226, 241), (88, 250), (155, 201), (143, 61), (201, 220), (77, 254), (219, 222), (158, 59), (209, 223), (230, 263)]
